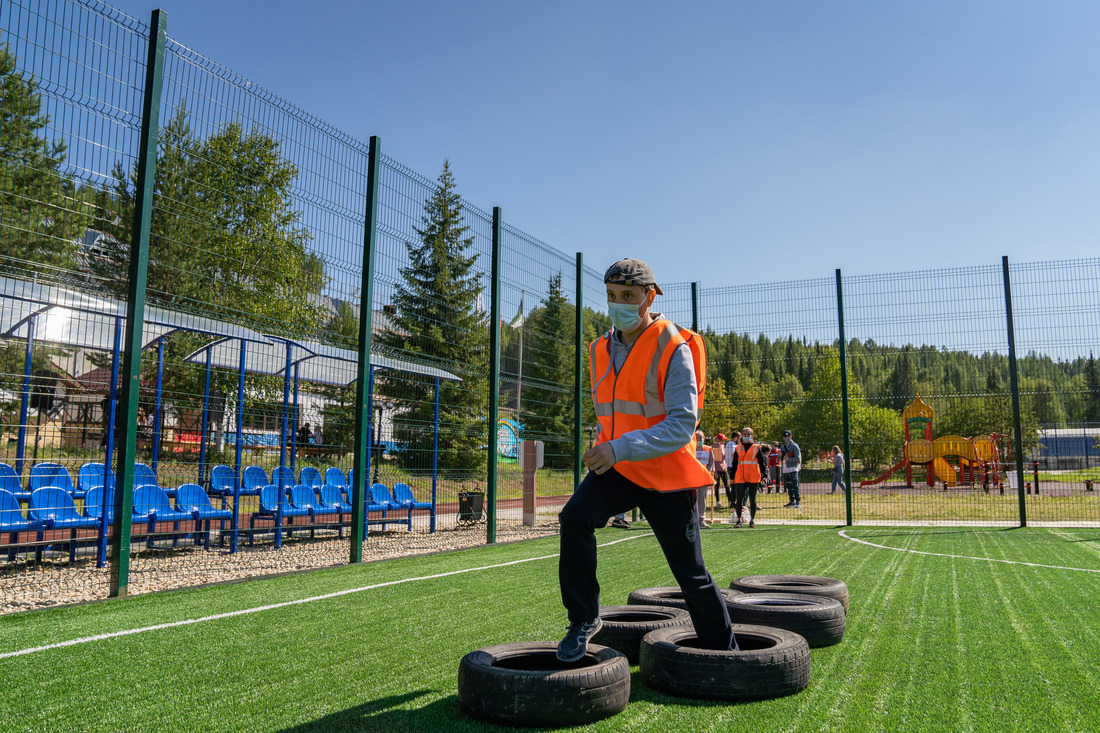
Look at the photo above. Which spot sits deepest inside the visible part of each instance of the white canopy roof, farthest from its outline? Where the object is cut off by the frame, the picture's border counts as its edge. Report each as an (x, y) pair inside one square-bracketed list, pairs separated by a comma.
[(71, 318), (316, 362)]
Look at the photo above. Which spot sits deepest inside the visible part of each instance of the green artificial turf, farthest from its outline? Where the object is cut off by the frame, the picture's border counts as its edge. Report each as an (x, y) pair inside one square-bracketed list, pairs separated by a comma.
[(933, 642)]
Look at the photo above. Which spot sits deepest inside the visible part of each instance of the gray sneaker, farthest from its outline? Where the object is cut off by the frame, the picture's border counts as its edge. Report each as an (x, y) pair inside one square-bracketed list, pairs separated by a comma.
[(575, 644), (620, 523)]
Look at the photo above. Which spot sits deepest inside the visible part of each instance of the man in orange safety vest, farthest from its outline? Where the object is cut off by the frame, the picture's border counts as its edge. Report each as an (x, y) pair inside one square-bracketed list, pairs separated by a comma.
[(648, 377)]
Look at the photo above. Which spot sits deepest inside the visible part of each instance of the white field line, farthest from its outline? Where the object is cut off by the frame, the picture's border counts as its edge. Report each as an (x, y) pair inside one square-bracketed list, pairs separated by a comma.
[(964, 557), (270, 607)]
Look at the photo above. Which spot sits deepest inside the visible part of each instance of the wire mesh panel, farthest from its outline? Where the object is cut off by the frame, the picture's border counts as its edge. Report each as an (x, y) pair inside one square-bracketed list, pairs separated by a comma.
[(71, 80), (1056, 312), (538, 326), (932, 419), (774, 367), (432, 277)]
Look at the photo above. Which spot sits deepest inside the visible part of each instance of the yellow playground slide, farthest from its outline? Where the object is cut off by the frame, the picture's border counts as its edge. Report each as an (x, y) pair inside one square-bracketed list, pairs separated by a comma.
[(945, 472)]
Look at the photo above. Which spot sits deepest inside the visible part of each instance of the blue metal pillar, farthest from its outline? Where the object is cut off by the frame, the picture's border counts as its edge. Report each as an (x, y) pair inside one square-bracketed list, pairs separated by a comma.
[(109, 448), (294, 430), (157, 413), (25, 402), (435, 453), (205, 418), (237, 461), (286, 402)]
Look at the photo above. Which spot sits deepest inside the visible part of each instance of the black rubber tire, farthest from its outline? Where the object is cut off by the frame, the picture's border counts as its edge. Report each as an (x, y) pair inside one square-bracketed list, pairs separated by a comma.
[(808, 584), (624, 626), (818, 619), (669, 595), (524, 684), (771, 663)]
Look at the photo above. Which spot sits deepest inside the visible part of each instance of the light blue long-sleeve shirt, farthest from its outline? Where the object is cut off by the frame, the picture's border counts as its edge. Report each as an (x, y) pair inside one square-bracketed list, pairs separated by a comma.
[(681, 407)]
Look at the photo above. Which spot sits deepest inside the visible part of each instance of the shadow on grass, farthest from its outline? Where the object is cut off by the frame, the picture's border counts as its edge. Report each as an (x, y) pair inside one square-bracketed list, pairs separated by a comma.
[(392, 715)]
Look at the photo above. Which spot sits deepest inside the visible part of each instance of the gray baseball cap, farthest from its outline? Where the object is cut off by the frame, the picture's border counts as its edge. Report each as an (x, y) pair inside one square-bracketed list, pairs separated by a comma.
[(631, 272)]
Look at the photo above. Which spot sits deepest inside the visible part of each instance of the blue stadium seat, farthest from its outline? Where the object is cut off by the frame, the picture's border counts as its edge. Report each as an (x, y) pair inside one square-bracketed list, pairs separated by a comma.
[(93, 503), (13, 522), (381, 500), (90, 476), (144, 476), (54, 508), (283, 477), (192, 499), (253, 481), (152, 504), (222, 481), (311, 477), (272, 500), (51, 474), (403, 495), (9, 481)]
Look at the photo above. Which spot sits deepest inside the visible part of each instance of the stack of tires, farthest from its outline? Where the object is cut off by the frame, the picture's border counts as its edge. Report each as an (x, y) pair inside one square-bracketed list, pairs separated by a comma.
[(776, 619)]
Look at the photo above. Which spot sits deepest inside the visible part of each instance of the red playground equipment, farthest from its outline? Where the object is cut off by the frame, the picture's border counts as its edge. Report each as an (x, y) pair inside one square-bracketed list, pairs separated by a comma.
[(950, 459)]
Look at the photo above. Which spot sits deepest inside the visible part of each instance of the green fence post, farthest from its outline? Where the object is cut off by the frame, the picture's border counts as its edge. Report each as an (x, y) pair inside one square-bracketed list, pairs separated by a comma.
[(695, 307), (844, 401), (1013, 381), (578, 376), (135, 303), (363, 380), (494, 378)]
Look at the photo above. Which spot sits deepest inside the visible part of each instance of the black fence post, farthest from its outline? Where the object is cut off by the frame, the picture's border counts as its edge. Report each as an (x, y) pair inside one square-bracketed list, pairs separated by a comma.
[(494, 376), (1014, 382), (844, 401), (363, 382), (135, 305), (578, 376)]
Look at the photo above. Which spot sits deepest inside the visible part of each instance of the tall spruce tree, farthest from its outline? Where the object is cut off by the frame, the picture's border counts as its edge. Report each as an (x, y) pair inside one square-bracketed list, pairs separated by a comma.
[(41, 209), (437, 322)]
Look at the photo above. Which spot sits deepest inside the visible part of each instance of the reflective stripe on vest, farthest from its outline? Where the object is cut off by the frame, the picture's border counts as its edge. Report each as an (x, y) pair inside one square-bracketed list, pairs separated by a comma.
[(633, 399), (748, 470)]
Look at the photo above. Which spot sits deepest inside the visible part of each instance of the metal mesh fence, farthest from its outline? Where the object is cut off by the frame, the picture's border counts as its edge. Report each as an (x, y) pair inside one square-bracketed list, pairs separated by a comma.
[(245, 433)]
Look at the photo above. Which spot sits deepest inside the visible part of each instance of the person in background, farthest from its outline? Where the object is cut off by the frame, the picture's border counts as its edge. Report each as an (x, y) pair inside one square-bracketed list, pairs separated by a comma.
[(838, 470), (731, 462), (751, 467), (316, 436), (791, 462), (773, 469), (703, 455), (720, 469)]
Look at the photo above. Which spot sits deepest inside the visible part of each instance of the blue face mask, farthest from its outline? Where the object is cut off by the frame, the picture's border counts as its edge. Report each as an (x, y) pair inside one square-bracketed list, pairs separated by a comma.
[(624, 316)]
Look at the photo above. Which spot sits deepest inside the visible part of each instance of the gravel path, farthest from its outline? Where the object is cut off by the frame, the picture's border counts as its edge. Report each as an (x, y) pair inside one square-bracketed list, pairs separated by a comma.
[(25, 586)]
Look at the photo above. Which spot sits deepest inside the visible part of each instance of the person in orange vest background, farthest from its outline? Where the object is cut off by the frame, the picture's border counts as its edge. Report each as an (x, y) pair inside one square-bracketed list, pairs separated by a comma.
[(750, 460), (719, 466), (648, 376)]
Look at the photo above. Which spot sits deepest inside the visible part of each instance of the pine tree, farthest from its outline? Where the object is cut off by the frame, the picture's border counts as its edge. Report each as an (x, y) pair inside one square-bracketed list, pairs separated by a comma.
[(901, 387), (437, 322), (41, 209)]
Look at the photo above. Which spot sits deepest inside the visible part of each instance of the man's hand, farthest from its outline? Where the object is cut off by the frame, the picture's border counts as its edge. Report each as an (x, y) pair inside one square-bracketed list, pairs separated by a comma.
[(599, 458)]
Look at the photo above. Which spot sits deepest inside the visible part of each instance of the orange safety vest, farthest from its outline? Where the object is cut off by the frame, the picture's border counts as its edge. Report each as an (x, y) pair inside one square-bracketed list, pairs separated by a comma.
[(634, 399), (748, 470)]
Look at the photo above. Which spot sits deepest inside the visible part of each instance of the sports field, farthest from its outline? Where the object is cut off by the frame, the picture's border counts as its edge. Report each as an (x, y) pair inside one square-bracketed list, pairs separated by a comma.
[(950, 629)]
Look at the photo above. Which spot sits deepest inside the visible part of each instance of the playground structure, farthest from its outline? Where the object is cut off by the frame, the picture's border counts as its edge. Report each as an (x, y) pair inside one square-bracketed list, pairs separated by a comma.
[(949, 458)]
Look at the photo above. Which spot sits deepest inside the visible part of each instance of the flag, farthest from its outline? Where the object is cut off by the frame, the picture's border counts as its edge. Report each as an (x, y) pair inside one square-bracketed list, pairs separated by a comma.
[(518, 320)]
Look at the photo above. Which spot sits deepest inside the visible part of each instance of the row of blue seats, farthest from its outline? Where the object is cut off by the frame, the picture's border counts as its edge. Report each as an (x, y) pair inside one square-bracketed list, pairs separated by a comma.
[(222, 480), (51, 507)]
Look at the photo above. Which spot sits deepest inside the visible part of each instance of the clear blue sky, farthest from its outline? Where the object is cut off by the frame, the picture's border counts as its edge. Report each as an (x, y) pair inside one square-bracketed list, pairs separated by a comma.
[(700, 136)]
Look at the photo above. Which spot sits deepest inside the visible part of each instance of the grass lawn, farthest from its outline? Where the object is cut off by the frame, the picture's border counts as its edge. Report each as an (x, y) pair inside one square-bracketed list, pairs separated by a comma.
[(939, 642)]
